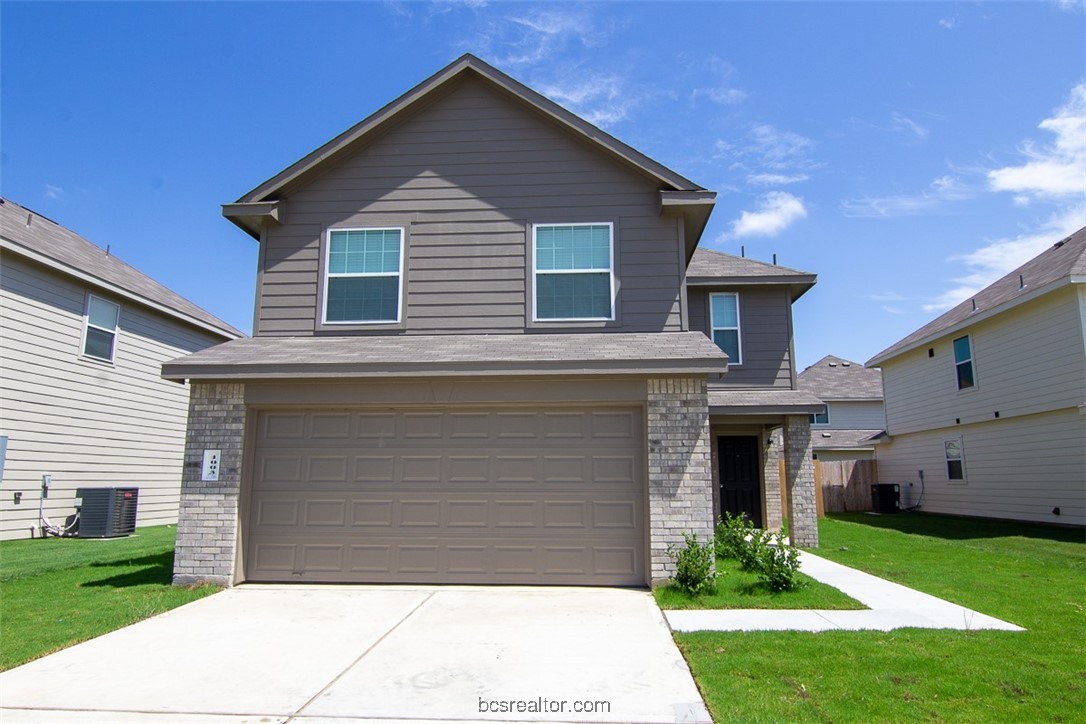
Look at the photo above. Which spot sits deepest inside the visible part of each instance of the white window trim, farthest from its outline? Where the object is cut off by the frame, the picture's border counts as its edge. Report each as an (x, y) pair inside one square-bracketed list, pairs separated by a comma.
[(972, 363), (825, 412), (329, 275), (738, 325), (961, 458), (87, 325), (610, 271)]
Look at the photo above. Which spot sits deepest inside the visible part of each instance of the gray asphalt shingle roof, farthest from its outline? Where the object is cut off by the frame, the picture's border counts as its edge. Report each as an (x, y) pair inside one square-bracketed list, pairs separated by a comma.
[(836, 378), (31, 233), (843, 439), (765, 401), (477, 354), (710, 263), (1066, 258)]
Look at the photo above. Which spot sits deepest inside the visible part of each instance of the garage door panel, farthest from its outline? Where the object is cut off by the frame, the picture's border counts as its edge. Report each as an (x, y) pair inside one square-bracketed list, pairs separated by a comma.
[(470, 496)]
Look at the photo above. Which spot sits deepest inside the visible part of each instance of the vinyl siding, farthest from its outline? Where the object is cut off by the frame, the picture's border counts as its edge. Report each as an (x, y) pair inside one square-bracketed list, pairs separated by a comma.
[(86, 423), (466, 176), (855, 416), (764, 319), (1019, 468), (1027, 360)]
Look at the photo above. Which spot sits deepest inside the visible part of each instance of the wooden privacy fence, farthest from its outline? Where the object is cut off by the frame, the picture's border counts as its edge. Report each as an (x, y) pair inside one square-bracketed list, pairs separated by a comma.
[(840, 485)]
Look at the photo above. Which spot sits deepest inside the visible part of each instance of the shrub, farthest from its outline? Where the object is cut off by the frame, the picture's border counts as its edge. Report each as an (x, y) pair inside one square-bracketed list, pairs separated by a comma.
[(693, 566), (753, 552), (779, 564), (731, 535)]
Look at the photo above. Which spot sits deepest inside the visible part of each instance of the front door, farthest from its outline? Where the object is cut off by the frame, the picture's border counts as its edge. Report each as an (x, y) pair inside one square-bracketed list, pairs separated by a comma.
[(740, 477)]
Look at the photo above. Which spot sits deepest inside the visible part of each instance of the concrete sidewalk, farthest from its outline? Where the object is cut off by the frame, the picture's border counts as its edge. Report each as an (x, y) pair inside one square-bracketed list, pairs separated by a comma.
[(891, 606)]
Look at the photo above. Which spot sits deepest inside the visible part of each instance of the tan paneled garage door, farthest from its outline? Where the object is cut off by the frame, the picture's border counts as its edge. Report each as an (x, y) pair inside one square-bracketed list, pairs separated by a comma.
[(448, 495)]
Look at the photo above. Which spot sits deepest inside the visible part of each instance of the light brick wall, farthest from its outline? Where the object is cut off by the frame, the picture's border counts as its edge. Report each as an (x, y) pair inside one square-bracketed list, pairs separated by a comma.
[(680, 467), (799, 470), (771, 476), (208, 519)]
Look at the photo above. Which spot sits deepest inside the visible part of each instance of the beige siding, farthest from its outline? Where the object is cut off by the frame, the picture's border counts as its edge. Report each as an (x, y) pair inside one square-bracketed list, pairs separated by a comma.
[(466, 177), (855, 416), (1027, 360), (86, 423), (1019, 468), (764, 327)]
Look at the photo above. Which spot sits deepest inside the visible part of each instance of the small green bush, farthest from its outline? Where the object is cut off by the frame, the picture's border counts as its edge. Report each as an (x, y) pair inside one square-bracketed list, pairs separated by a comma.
[(779, 564), (753, 552), (694, 566), (731, 535)]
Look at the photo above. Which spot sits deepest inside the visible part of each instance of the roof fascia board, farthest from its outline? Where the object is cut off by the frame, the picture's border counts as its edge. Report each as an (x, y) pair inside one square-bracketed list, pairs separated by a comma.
[(764, 409), (183, 371), (972, 319), (112, 288), (730, 281), (252, 216), (468, 62)]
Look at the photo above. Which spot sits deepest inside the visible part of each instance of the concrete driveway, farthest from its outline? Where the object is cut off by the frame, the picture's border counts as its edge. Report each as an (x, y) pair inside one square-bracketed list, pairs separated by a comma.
[(317, 654)]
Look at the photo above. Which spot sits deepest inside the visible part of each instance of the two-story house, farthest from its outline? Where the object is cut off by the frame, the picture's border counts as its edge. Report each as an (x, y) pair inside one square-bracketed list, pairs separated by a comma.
[(484, 352), (854, 416), (986, 404), (83, 336)]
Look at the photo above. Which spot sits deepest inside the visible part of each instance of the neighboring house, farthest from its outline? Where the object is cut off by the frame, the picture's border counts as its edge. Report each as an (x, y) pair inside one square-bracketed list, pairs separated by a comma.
[(854, 415), (986, 405), (844, 432), (82, 340), (482, 355)]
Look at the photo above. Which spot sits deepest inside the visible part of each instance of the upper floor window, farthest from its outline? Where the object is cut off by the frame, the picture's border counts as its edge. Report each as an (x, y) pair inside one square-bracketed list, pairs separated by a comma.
[(724, 320), (363, 274), (574, 271), (963, 362), (821, 418), (100, 328)]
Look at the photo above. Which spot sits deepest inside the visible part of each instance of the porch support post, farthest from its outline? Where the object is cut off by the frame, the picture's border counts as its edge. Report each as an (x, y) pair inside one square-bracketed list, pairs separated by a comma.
[(771, 477), (799, 471)]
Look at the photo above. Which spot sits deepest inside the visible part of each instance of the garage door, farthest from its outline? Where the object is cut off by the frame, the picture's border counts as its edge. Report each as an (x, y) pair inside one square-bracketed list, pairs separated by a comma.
[(448, 496)]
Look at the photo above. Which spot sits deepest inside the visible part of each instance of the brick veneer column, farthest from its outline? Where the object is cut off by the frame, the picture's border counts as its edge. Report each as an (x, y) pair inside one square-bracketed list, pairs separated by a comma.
[(680, 467), (208, 518), (799, 470), (771, 489)]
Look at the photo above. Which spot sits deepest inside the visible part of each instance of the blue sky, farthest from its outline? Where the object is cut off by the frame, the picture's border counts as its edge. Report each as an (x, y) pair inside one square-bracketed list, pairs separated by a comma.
[(908, 153)]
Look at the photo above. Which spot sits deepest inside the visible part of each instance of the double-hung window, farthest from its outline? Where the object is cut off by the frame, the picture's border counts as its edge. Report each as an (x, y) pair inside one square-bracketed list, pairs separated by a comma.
[(821, 418), (955, 459), (724, 320), (362, 281), (100, 328), (574, 271), (963, 363)]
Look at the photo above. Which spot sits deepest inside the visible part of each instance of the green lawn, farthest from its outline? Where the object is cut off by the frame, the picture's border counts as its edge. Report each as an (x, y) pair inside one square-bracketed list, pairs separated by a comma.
[(742, 589), (1030, 575), (55, 592)]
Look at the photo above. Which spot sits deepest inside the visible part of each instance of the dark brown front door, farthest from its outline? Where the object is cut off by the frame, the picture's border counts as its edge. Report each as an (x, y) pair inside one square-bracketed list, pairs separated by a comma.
[(740, 477)]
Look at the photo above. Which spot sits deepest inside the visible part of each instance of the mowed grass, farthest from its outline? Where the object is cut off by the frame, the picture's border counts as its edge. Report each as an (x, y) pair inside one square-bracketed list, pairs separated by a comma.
[(737, 588), (1030, 575), (56, 592)]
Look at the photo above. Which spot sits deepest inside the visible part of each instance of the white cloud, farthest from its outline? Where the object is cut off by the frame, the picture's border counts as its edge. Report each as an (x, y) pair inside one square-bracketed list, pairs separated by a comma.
[(723, 95), (776, 211), (1056, 170), (53, 192), (599, 98), (903, 124), (1000, 256), (768, 147), (940, 191), (776, 179), (948, 23)]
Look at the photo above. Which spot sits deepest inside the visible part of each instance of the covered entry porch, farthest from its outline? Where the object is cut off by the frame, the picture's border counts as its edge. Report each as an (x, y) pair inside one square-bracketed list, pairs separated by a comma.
[(746, 455)]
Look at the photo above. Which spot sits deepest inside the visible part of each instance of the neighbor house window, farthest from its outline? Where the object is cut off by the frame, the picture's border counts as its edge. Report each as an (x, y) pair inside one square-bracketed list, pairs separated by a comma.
[(574, 273), (364, 270), (821, 418), (100, 329), (724, 319), (963, 363), (955, 462)]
